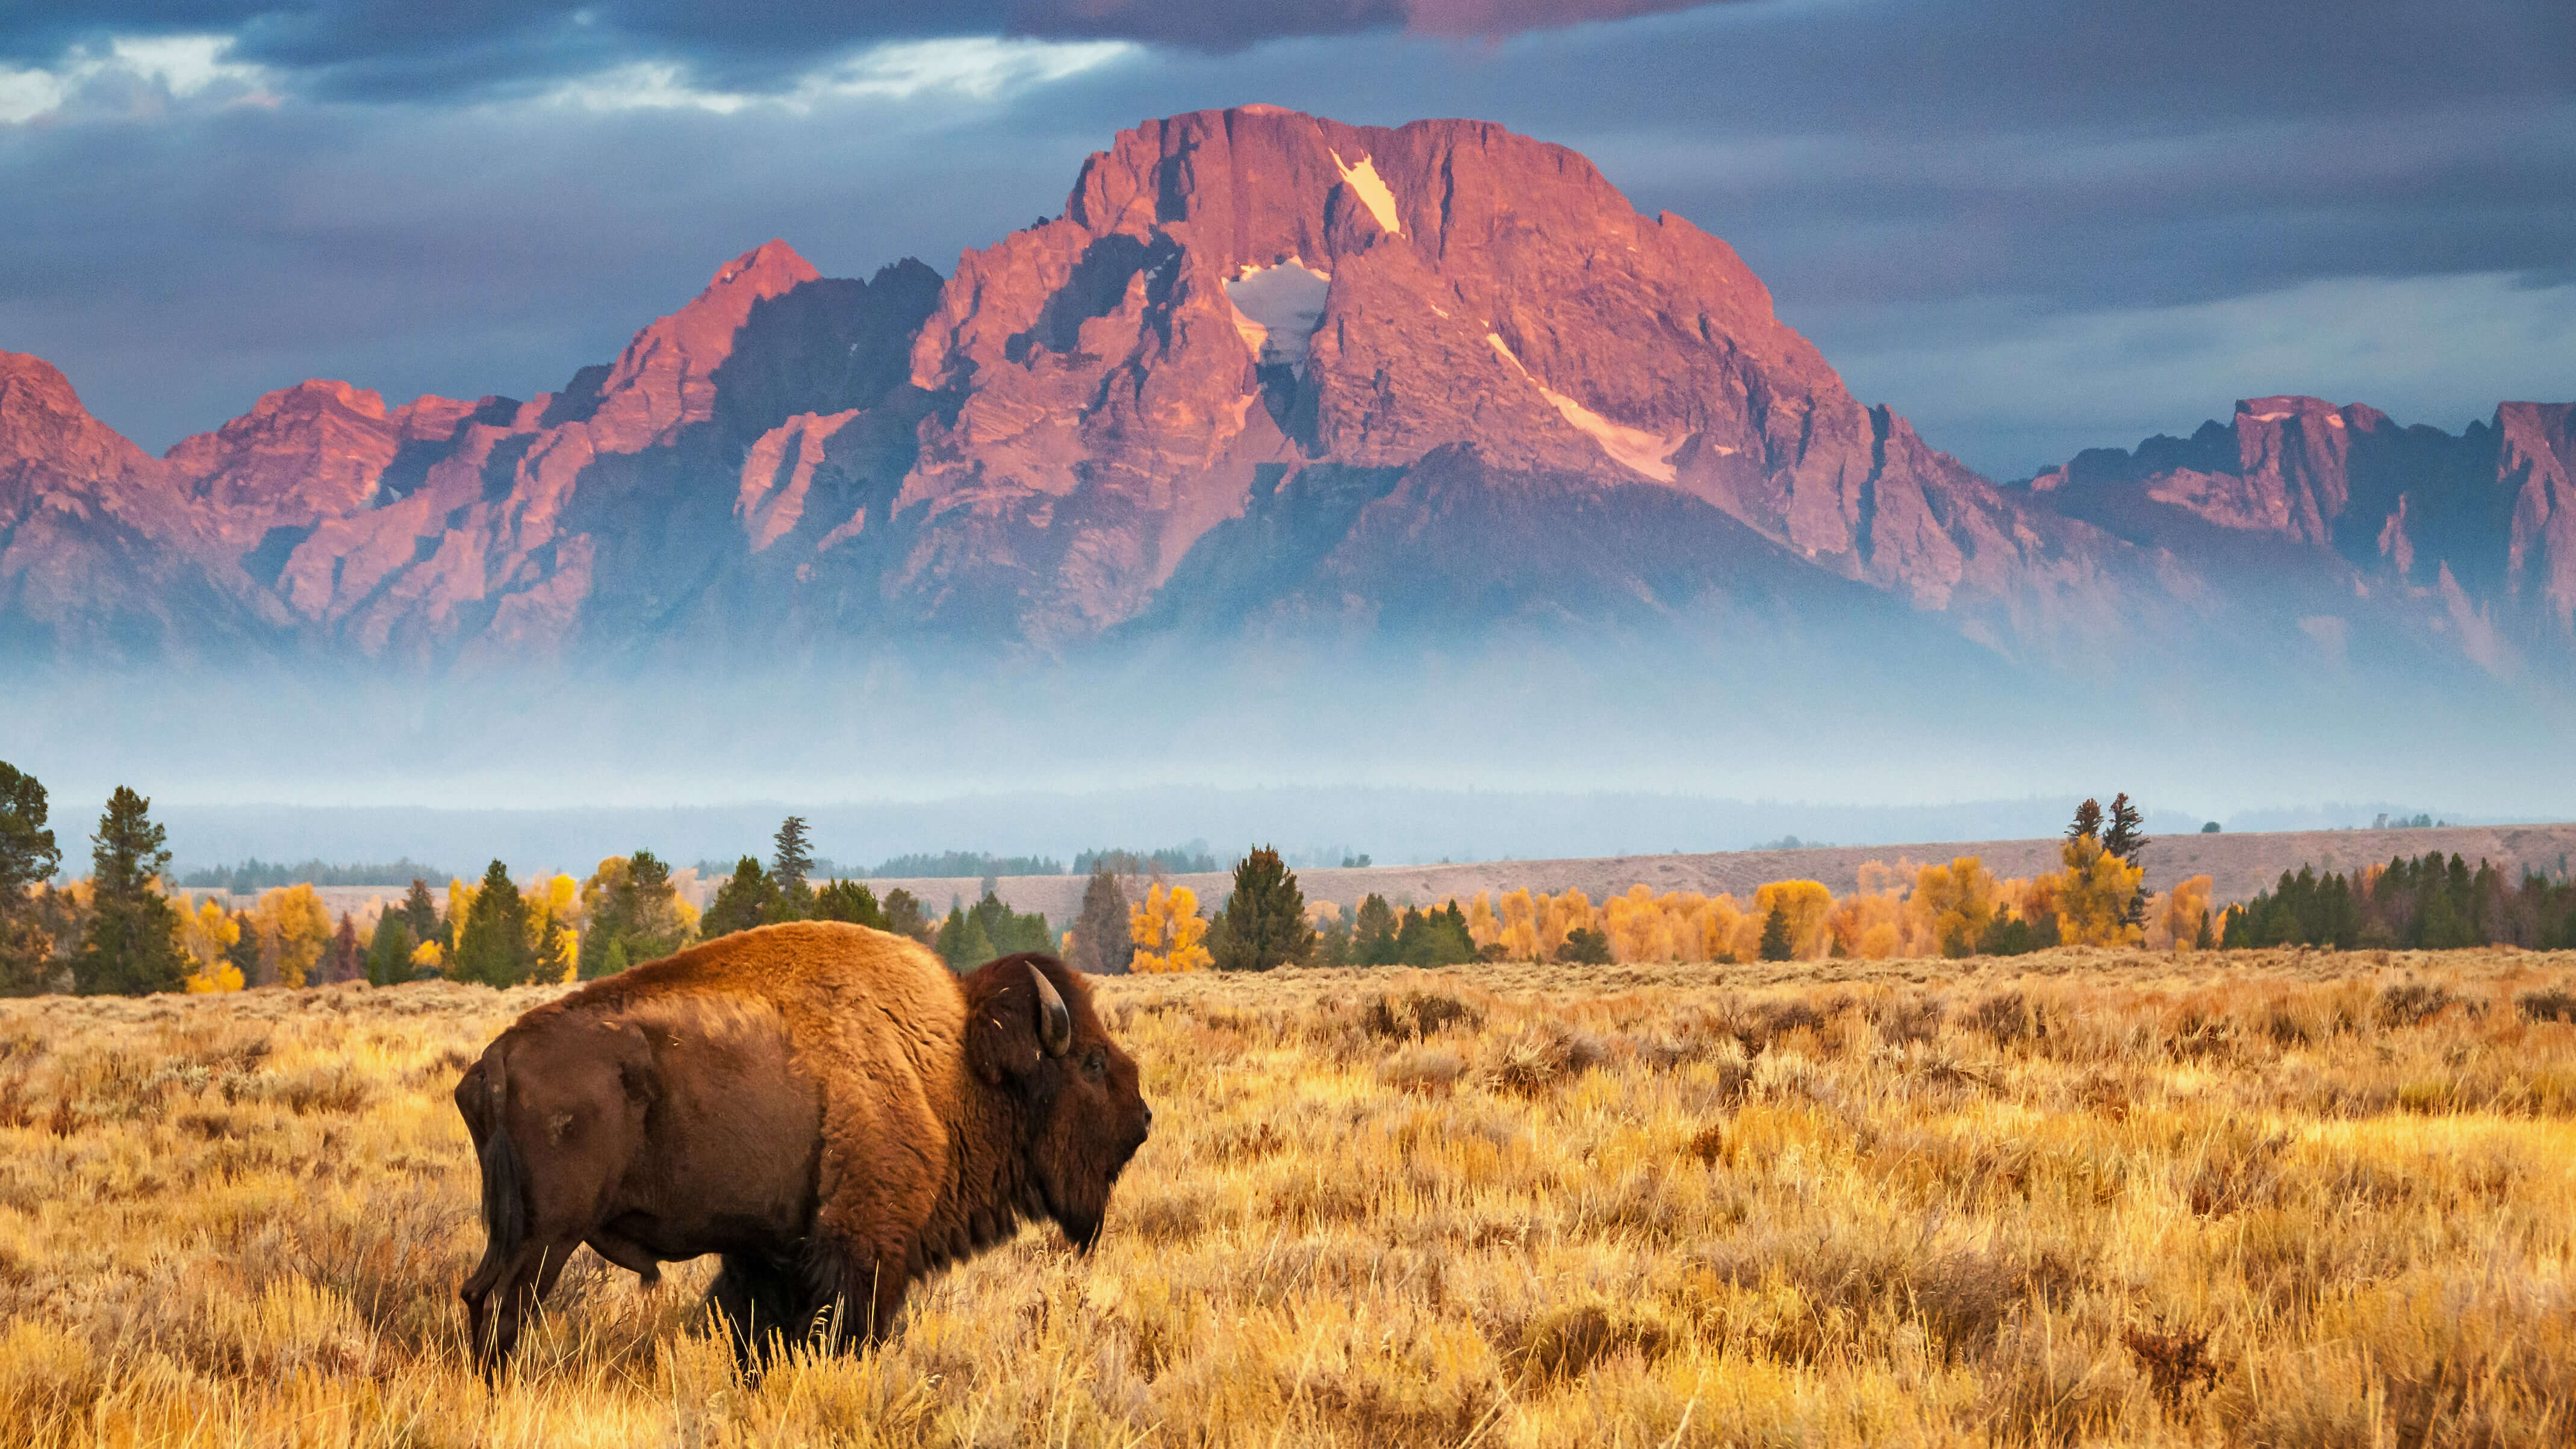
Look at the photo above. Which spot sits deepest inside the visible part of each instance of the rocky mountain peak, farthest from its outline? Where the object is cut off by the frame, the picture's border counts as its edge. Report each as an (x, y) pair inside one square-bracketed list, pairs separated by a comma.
[(43, 426), (665, 379)]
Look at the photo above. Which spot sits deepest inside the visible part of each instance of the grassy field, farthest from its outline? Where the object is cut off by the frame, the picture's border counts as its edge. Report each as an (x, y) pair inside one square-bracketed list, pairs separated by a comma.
[(2080, 1197)]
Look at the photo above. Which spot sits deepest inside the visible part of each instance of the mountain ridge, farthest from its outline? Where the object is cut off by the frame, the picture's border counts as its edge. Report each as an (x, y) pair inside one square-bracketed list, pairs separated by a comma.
[(1266, 375)]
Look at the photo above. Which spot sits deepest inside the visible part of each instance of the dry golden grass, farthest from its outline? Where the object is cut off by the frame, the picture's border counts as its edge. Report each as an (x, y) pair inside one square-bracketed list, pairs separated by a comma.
[(2286, 1199)]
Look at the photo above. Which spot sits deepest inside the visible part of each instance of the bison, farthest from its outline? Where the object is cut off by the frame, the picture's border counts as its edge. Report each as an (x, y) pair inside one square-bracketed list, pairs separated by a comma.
[(827, 1107)]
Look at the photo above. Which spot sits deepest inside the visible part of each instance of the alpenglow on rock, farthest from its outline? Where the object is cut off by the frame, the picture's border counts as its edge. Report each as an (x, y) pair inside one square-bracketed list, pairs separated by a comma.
[(1266, 374)]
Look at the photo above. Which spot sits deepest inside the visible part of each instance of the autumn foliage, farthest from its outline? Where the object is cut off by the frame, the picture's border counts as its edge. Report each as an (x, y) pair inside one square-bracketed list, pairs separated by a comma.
[(1168, 931)]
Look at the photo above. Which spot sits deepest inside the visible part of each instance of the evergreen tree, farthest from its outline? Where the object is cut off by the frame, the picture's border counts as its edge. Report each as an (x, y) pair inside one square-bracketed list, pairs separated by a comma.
[(493, 944), (1102, 944), (389, 950), (420, 913), (1590, 945), (2088, 822), (1264, 923), (741, 903), (1332, 944), (243, 955), (28, 856), (27, 850), (2124, 839), (1373, 933), (133, 942), (1429, 939), (629, 903), (791, 861), (848, 900), (1007, 931), (904, 916), (1776, 944), (962, 942), (341, 961)]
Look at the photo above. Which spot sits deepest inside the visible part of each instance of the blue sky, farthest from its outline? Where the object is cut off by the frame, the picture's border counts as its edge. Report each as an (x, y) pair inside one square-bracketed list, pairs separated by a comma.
[(2032, 227)]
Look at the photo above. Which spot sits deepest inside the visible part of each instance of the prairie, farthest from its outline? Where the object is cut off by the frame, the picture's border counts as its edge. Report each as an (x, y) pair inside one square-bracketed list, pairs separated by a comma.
[(2276, 1198)]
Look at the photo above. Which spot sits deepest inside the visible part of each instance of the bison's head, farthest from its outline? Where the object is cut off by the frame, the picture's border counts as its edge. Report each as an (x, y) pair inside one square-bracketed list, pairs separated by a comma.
[(1033, 1032)]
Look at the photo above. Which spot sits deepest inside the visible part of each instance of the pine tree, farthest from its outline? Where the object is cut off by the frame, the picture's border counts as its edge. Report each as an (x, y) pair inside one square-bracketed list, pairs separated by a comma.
[(389, 950), (494, 945), (741, 902), (2088, 822), (850, 901), (791, 861), (1590, 945), (1373, 933), (903, 915), (133, 944), (28, 855), (1434, 938), (1264, 923), (2124, 839), (341, 961), (420, 912), (1102, 944), (243, 955), (962, 942), (27, 850), (1776, 943)]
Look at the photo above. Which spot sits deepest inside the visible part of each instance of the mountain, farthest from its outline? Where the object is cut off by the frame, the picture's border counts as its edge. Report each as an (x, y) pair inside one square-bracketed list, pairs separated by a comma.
[(2477, 531), (1267, 378)]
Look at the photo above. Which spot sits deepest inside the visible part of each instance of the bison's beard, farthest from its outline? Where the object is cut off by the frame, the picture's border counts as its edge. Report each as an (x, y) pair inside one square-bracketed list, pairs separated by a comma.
[(1077, 1194)]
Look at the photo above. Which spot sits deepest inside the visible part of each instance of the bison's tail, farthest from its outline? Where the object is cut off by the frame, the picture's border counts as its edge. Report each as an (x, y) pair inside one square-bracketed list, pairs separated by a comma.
[(505, 1181)]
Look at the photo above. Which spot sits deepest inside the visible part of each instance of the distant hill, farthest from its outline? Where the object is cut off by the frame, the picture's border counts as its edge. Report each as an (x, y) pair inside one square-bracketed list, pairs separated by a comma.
[(2238, 865)]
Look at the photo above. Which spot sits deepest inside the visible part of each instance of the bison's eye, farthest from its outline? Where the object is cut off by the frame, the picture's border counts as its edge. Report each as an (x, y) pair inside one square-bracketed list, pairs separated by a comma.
[(1096, 1063)]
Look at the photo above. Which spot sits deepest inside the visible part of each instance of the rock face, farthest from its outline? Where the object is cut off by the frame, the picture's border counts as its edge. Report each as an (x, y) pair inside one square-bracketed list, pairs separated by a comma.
[(2478, 527), (1267, 375)]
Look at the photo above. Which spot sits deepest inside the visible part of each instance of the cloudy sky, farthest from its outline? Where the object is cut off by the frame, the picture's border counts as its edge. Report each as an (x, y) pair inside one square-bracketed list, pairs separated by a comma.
[(2030, 225)]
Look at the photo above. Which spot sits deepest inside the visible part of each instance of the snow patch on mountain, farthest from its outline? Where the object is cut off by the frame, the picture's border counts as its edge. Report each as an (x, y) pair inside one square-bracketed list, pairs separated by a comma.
[(1370, 188), (1277, 309), (1643, 453)]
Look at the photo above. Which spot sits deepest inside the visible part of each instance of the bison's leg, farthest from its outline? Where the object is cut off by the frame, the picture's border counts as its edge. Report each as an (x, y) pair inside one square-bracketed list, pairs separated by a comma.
[(500, 1297), (863, 1284), (762, 1302)]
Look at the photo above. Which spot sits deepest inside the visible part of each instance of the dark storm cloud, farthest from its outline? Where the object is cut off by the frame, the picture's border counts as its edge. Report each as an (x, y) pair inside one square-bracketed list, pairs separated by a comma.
[(404, 49), (1914, 178)]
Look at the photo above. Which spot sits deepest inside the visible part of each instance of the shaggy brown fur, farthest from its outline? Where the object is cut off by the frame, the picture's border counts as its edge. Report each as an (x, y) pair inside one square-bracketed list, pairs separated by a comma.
[(826, 1106)]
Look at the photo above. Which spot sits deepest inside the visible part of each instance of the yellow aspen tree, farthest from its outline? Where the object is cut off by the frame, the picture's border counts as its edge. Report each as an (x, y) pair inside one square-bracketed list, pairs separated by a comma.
[(1957, 901), (295, 918), (1805, 903), (207, 933), (1483, 927), (1167, 930), (554, 911), (2182, 911), (2093, 895), (1732, 935), (1520, 926), (1561, 915)]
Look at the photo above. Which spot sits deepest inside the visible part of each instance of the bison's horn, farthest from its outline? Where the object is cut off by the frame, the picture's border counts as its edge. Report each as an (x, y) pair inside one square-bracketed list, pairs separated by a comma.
[(1055, 1024)]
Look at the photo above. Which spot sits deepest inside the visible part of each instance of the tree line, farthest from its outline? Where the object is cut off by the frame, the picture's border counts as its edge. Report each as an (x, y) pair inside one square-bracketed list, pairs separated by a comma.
[(2425, 904), (119, 930)]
